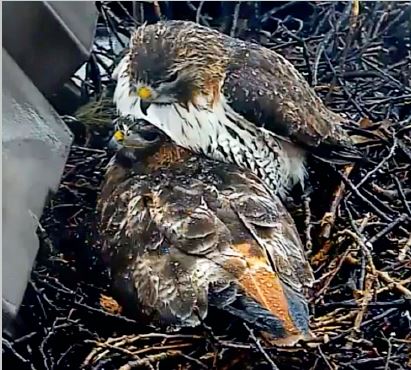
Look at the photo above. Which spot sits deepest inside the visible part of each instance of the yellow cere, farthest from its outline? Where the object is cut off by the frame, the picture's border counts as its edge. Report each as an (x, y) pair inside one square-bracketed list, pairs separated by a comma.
[(119, 135), (144, 92)]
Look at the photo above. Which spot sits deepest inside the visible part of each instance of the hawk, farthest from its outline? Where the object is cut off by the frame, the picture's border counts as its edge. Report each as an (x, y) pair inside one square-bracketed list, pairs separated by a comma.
[(231, 100), (182, 233)]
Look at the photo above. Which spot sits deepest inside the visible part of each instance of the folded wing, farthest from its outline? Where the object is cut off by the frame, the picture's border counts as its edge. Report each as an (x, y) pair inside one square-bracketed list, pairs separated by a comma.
[(205, 235), (269, 92)]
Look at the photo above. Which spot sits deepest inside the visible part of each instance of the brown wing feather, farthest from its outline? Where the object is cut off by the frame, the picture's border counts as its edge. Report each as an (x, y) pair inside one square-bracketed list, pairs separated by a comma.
[(189, 232), (275, 232), (269, 92), (271, 226)]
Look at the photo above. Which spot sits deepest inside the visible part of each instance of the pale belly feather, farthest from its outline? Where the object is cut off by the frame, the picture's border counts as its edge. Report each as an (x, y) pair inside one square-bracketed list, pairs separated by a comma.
[(222, 134)]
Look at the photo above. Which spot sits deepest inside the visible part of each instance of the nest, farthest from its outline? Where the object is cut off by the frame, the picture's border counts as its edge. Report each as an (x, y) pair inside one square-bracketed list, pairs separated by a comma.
[(354, 220)]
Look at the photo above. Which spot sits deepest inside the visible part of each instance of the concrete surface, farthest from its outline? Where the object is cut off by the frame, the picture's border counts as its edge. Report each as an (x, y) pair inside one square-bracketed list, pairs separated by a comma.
[(35, 147), (49, 40), (44, 43)]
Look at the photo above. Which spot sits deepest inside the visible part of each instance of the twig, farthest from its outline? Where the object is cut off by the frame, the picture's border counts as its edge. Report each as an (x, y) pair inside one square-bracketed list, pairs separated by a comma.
[(405, 249), (400, 288), (379, 166), (320, 351), (307, 224), (235, 18), (402, 194), (157, 9), (386, 75), (261, 349), (387, 364), (10, 347), (365, 200), (342, 19), (329, 218), (266, 16), (369, 281), (147, 361), (388, 228), (198, 12), (331, 276)]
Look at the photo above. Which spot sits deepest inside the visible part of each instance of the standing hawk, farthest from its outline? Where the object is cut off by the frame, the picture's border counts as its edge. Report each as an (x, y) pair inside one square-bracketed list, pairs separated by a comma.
[(182, 233), (229, 99)]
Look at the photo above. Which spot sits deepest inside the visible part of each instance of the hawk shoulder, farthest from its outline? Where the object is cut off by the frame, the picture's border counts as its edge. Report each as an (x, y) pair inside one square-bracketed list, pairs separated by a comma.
[(269, 92)]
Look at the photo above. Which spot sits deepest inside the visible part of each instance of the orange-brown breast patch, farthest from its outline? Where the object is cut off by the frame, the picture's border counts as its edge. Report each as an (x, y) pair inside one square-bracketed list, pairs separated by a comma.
[(166, 156)]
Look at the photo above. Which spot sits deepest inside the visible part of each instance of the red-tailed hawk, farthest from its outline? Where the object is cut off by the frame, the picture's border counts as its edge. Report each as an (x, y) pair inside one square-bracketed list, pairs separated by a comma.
[(229, 99), (182, 233)]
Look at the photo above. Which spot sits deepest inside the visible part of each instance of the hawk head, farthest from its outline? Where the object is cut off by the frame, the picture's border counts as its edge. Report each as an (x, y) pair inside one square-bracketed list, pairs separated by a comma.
[(132, 139), (171, 62)]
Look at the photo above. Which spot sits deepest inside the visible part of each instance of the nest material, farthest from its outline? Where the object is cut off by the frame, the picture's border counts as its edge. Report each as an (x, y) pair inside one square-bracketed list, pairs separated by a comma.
[(96, 113), (355, 221)]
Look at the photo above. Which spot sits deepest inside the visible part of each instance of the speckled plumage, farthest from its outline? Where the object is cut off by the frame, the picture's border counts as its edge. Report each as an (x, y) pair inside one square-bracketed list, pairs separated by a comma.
[(229, 99), (181, 233)]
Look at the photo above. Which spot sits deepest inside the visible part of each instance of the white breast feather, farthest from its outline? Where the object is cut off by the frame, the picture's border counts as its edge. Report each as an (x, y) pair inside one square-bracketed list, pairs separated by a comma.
[(202, 129)]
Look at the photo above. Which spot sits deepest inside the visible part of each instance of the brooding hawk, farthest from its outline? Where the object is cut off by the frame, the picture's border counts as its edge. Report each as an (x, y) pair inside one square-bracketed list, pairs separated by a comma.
[(182, 233), (229, 99)]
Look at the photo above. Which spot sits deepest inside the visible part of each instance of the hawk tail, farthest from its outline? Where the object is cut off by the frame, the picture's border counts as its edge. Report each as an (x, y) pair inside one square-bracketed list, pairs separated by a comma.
[(267, 304)]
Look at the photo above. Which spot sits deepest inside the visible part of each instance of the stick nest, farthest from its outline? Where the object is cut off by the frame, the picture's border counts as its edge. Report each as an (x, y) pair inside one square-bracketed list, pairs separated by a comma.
[(355, 221)]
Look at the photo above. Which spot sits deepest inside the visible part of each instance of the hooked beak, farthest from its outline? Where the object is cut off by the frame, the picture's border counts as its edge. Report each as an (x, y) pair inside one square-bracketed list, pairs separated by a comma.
[(144, 105), (139, 140), (145, 94)]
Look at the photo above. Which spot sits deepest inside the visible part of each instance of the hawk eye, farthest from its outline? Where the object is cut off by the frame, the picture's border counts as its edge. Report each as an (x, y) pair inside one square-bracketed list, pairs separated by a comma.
[(171, 78)]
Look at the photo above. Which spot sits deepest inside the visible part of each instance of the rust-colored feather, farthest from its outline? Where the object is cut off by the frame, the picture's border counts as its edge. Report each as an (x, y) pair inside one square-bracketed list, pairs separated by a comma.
[(261, 283), (166, 156), (183, 234)]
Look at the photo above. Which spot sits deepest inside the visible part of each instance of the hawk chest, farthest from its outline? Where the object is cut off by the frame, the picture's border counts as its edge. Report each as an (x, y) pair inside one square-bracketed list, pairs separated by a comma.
[(222, 134)]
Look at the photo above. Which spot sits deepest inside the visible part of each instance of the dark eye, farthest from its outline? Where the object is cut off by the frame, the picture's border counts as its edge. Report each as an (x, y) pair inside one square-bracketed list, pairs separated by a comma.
[(149, 135), (171, 78)]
